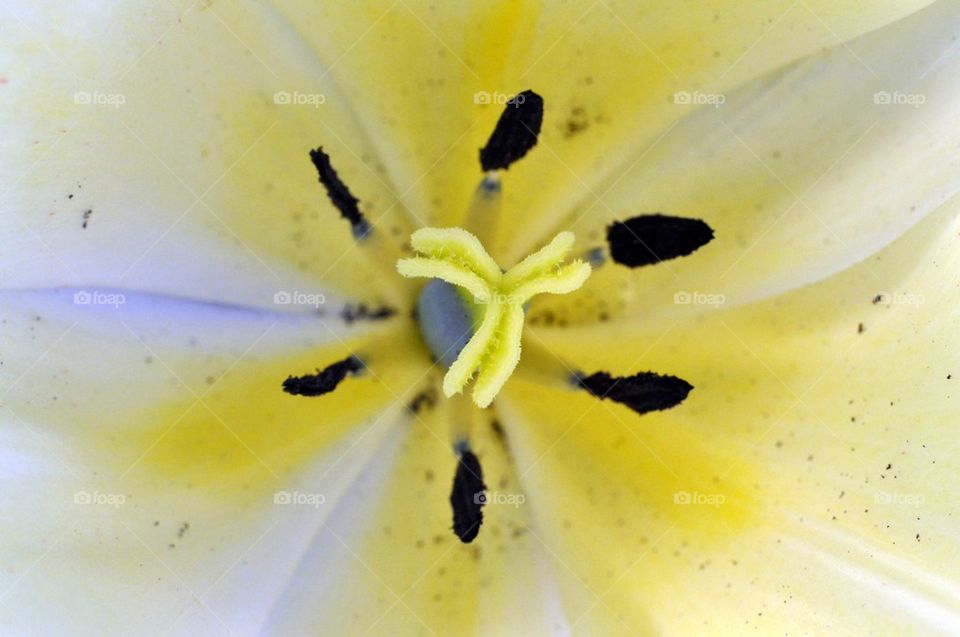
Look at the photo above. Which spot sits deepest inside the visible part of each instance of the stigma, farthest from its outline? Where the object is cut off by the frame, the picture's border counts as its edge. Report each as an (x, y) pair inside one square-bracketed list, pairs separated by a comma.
[(487, 305)]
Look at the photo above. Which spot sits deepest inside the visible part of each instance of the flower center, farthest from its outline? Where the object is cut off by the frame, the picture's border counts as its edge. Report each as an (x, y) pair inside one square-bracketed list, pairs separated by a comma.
[(479, 325), (471, 314)]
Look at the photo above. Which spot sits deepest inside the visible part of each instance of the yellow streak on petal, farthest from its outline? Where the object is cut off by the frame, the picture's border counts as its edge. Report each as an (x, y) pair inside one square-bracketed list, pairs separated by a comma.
[(246, 432), (662, 471)]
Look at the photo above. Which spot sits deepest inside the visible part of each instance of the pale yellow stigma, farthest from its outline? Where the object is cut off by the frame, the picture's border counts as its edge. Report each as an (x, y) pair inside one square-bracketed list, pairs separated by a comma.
[(457, 257)]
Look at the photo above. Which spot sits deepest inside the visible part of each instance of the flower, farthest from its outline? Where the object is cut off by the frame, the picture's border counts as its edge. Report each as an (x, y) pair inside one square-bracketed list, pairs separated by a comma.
[(169, 259)]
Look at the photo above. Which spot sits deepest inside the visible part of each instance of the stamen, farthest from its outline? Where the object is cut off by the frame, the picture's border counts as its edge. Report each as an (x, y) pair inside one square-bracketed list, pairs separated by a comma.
[(490, 184), (514, 135), (340, 196), (325, 380), (643, 392), (648, 239), (483, 213), (595, 257), (380, 251), (468, 497), (516, 132), (456, 256)]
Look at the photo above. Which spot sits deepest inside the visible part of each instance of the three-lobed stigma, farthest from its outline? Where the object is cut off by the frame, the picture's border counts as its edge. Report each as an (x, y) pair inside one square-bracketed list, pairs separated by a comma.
[(493, 351)]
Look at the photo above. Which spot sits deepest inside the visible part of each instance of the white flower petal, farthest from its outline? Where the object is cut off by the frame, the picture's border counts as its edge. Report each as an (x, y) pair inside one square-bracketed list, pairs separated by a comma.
[(800, 174), (184, 129), (434, 79), (822, 418), (388, 563), (145, 443)]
